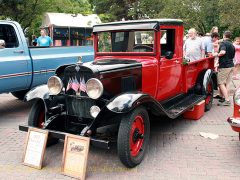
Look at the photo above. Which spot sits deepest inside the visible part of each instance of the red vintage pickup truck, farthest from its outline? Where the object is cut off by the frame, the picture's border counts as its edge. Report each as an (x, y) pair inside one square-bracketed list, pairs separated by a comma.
[(138, 70)]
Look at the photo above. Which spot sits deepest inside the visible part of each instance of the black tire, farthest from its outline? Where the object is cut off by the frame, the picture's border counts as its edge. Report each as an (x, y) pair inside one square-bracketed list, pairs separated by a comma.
[(20, 94), (209, 95), (37, 117), (131, 143)]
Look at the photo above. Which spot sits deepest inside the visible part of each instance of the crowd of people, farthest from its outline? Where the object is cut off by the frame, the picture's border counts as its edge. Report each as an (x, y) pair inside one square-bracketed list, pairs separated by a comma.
[(226, 56)]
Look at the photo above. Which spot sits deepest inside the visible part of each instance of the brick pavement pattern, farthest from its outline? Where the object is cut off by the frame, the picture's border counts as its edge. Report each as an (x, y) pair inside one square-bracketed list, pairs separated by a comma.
[(176, 151)]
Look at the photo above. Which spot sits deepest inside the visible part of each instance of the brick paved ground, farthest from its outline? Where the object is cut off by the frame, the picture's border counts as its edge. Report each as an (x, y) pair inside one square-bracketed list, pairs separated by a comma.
[(176, 150)]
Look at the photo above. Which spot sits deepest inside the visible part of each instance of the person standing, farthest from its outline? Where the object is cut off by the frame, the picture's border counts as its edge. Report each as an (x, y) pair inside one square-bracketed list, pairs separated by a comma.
[(193, 48), (44, 39), (226, 54), (236, 58), (208, 44), (214, 29), (215, 48)]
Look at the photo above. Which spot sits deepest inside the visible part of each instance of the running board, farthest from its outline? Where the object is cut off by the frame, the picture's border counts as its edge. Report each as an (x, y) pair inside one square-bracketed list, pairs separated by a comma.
[(180, 105)]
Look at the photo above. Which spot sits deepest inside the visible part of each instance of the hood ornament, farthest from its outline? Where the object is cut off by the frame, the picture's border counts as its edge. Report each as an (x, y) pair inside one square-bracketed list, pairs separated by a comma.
[(77, 68)]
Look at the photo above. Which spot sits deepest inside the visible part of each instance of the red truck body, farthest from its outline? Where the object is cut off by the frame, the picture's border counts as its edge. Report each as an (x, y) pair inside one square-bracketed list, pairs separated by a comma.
[(138, 70)]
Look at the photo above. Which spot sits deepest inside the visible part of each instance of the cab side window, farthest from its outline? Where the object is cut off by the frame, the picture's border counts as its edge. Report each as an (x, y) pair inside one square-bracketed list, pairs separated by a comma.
[(8, 34), (167, 41)]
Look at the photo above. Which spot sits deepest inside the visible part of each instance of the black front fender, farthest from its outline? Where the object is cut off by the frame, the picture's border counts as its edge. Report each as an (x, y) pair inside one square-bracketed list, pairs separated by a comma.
[(125, 102), (39, 92)]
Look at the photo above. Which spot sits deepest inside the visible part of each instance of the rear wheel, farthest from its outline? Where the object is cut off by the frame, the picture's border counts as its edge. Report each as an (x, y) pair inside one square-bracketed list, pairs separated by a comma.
[(36, 118), (209, 95), (133, 137)]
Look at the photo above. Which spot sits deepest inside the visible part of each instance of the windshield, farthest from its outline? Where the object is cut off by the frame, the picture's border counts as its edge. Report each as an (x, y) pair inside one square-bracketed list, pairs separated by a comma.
[(126, 41)]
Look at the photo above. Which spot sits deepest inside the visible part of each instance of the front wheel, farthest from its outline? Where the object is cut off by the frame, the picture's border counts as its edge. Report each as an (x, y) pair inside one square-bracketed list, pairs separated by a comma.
[(36, 118), (133, 137), (209, 95)]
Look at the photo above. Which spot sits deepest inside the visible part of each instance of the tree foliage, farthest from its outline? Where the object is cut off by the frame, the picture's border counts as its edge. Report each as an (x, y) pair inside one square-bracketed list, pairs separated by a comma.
[(29, 13), (113, 10), (22, 11), (200, 14)]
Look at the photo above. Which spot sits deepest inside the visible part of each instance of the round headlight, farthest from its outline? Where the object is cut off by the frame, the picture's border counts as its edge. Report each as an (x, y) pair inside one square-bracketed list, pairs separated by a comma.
[(94, 111), (94, 88), (237, 97), (55, 85)]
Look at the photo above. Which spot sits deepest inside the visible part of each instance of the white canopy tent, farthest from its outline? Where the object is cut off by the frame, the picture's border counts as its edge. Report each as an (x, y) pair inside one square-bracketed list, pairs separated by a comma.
[(70, 29), (69, 20)]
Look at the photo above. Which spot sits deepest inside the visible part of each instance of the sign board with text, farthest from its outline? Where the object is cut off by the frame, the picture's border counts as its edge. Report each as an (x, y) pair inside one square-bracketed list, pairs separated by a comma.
[(35, 147), (75, 156)]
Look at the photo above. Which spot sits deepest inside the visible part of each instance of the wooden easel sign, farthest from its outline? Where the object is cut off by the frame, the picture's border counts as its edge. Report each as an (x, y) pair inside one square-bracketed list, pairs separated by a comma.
[(75, 154), (35, 147)]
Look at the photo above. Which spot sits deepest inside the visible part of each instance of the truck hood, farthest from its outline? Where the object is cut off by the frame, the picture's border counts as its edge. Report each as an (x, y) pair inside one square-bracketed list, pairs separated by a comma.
[(112, 65), (116, 75)]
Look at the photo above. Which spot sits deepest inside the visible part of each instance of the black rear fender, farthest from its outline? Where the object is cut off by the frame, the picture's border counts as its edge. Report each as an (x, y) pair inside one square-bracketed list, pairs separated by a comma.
[(203, 79)]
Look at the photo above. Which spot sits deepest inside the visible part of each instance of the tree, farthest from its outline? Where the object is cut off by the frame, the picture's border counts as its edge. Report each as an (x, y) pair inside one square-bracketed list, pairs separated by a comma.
[(29, 13), (229, 16), (22, 11), (201, 14), (112, 10)]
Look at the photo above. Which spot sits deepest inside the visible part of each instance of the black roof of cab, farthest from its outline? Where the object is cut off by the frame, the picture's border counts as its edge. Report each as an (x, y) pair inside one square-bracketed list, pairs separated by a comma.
[(137, 24)]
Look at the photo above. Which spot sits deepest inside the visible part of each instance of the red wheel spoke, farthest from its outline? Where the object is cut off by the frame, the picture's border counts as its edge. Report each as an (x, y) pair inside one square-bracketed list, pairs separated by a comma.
[(137, 136)]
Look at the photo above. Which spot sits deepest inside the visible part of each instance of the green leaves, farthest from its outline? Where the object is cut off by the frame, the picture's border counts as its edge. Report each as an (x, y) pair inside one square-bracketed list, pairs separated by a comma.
[(201, 14), (29, 13)]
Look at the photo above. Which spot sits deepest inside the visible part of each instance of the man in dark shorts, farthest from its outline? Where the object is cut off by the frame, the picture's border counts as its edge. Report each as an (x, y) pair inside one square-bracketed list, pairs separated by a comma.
[(226, 55)]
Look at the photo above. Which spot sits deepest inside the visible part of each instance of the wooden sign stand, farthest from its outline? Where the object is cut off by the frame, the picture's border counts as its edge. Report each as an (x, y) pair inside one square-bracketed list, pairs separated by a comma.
[(35, 147), (75, 154)]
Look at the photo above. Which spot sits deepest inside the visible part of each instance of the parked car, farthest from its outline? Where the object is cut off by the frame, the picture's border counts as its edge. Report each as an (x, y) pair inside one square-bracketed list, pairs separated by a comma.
[(136, 72), (234, 121), (22, 68)]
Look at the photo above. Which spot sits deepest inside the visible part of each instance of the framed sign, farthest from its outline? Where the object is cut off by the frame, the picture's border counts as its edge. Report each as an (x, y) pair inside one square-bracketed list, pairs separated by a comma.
[(75, 154), (35, 147)]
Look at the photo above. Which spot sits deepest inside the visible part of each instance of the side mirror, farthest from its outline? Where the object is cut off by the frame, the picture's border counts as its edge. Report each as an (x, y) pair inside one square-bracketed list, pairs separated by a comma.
[(2, 44), (169, 55)]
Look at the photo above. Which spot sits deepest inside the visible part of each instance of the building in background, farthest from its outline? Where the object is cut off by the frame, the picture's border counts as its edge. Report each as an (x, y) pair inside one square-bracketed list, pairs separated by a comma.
[(70, 29)]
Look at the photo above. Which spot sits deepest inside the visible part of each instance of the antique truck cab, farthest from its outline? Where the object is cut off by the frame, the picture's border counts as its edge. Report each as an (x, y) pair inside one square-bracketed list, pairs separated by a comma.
[(138, 70), (234, 121)]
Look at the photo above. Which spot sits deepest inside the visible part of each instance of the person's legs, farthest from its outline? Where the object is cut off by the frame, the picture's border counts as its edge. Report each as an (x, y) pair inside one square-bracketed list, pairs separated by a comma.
[(224, 79), (224, 91), (235, 72)]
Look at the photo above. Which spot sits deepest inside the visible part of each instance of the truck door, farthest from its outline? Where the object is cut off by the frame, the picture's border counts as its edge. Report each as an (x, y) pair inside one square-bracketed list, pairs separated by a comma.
[(170, 73), (14, 67)]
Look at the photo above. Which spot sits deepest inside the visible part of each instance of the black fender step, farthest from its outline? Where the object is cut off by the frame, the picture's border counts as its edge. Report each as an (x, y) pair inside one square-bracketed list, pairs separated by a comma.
[(182, 104)]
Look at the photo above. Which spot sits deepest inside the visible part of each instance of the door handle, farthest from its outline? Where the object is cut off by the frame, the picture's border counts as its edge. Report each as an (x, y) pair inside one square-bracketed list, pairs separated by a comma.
[(18, 51)]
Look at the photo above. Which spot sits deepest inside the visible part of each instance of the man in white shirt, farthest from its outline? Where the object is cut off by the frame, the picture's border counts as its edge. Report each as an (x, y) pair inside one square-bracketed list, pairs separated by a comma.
[(193, 48)]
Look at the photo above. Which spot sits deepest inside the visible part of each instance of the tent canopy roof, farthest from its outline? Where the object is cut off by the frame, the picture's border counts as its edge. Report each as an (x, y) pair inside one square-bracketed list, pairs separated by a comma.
[(69, 20)]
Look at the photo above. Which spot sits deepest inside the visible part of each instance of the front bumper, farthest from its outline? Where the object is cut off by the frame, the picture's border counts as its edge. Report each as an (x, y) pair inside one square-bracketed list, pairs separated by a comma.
[(234, 123), (106, 144)]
